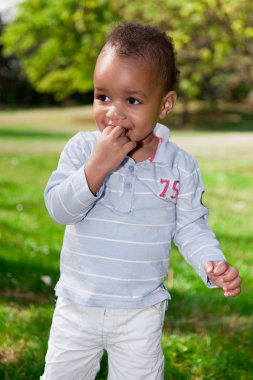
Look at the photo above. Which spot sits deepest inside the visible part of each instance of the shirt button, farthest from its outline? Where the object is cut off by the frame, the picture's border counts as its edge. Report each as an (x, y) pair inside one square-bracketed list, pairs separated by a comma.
[(131, 168), (128, 185)]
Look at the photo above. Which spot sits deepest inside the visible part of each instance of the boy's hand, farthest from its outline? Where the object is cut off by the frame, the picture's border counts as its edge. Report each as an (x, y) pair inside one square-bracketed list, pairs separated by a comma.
[(111, 148), (225, 276), (110, 151)]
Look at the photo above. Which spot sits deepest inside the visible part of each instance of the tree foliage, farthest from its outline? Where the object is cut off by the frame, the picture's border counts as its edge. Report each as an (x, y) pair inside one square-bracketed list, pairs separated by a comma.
[(213, 38), (57, 42), (14, 87)]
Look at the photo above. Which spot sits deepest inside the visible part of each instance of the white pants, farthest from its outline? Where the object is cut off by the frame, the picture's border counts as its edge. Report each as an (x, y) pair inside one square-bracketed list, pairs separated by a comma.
[(79, 335)]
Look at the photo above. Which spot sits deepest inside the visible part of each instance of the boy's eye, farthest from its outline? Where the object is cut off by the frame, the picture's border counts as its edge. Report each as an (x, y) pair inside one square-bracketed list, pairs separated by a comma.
[(103, 98), (133, 101)]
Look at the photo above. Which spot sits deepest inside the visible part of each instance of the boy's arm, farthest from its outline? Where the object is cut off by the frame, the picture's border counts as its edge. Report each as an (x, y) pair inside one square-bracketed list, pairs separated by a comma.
[(67, 194), (71, 192), (196, 242)]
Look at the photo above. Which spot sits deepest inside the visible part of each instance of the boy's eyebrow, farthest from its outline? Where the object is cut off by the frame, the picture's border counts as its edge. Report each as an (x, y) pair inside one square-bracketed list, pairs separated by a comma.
[(100, 89), (136, 93), (128, 92)]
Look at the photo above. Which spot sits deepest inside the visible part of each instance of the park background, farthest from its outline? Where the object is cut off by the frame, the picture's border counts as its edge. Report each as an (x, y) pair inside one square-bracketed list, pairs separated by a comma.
[(47, 54)]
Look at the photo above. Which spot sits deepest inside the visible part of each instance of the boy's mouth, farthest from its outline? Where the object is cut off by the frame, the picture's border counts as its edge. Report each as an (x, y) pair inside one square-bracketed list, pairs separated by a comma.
[(126, 131)]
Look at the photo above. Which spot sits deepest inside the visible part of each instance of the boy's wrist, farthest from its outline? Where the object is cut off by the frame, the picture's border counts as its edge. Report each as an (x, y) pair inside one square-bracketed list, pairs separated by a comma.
[(95, 176)]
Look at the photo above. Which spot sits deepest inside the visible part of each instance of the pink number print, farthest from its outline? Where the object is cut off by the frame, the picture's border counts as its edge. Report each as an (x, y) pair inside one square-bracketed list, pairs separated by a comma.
[(166, 187), (175, 188)]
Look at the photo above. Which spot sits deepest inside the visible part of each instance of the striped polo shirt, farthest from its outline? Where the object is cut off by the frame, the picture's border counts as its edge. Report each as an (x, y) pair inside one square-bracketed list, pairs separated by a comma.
[(116, 246)]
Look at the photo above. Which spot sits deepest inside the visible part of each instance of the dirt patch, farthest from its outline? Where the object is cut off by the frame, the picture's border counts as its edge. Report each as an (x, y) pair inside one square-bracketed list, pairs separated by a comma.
[(8, 355)]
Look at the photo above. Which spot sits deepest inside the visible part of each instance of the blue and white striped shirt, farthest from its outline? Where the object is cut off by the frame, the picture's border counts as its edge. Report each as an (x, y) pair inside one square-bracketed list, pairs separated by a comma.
[(116, 245)]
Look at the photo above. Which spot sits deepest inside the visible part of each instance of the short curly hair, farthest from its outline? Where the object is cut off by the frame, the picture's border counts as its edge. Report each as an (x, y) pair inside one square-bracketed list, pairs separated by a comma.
[(150, 43)]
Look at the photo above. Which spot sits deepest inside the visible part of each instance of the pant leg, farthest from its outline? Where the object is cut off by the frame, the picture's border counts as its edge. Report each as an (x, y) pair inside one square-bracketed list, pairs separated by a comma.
[(74, 346), (135, 350)]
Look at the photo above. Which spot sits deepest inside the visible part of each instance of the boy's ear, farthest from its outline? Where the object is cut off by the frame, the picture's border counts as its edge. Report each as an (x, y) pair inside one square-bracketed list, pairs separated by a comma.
[(168, 103)]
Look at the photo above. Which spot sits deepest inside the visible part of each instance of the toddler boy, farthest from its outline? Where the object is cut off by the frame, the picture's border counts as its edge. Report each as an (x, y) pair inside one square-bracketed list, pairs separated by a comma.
[(125, 192)]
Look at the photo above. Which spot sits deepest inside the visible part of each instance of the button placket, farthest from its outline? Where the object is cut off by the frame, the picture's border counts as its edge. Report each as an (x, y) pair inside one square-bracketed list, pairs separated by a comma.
[(128, 185), (131, 168), (128, 189)]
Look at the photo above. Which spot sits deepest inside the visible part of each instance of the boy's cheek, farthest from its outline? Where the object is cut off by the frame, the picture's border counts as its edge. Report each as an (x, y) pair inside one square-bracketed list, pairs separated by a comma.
[(100, 126)]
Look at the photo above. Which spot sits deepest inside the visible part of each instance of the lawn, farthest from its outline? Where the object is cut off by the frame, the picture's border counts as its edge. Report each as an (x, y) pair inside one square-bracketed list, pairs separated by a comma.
[(206, 336)]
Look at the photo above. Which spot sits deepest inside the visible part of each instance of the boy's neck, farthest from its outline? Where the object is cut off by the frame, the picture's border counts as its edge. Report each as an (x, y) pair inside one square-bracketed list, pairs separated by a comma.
[(144, 152)]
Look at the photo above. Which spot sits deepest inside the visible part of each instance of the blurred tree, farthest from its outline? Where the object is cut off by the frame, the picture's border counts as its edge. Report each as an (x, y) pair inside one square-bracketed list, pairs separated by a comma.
[(213, 38), (57, 42), (14, 87)]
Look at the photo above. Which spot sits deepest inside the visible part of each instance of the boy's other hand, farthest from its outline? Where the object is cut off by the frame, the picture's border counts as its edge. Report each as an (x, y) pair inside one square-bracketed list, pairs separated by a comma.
[(225, 276)]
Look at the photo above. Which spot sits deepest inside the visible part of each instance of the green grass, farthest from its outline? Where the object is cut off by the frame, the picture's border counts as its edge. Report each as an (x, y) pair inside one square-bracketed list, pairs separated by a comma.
[(206, 336)]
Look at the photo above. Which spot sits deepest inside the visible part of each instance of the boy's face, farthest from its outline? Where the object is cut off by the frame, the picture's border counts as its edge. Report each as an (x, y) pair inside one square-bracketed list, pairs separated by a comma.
[(128, 93)]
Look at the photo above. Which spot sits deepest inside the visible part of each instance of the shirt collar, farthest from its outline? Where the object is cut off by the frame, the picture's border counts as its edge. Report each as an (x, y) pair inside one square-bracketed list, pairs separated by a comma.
[(163, 134)]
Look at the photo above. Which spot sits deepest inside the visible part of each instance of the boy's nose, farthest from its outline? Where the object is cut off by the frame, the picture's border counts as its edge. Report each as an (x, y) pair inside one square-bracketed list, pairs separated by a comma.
[(115, 112)]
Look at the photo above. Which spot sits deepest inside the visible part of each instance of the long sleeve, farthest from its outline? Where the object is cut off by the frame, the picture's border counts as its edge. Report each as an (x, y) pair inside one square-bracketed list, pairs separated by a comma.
[(196, 242), (67, 194)]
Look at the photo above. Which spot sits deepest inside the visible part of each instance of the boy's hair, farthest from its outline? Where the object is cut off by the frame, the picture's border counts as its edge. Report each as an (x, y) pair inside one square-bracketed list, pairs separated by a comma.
[(150, 43)]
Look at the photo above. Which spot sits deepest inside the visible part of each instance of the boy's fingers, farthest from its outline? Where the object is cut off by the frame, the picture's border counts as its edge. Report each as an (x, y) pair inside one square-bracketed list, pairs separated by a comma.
[(232, 293), (107, 130), (231, 274), (220, 268), (232, 285), (118, 131), (209, 267)]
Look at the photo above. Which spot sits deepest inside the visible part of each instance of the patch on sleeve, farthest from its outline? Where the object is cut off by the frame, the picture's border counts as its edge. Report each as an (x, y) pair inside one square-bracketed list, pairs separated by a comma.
[(201, 200)]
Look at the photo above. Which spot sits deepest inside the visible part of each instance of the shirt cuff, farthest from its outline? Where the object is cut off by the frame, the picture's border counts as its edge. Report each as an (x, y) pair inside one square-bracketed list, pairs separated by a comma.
[(82, 189), (210, 284), (202, 273)]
